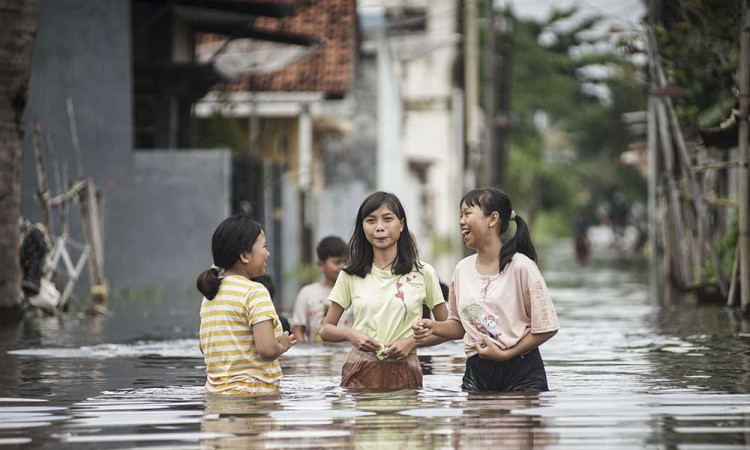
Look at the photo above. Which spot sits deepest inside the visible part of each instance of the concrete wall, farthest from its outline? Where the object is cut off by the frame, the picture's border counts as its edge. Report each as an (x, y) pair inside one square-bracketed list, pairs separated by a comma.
[(161, 207), (177, 200), (82, 53)]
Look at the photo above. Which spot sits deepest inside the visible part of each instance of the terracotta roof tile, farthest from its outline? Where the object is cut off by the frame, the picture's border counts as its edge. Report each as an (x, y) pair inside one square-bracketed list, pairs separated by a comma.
[(330, 68)]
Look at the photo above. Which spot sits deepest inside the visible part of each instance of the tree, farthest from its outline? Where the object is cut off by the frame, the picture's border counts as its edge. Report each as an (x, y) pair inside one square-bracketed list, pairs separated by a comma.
[(18, 20), (697, 42), (564, 167)]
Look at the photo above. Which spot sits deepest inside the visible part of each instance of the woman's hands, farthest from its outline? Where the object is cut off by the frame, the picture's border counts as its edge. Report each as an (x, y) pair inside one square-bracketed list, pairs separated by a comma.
[(362, 342), (445, 329), (400, 349), (423, 329), (489, 350)]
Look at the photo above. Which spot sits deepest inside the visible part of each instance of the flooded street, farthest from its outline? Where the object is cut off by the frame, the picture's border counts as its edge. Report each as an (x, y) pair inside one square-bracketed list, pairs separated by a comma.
[(623, 373)]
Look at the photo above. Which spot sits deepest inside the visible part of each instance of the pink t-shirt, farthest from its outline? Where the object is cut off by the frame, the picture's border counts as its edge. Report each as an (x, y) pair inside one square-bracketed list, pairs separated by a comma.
[(505, 307)]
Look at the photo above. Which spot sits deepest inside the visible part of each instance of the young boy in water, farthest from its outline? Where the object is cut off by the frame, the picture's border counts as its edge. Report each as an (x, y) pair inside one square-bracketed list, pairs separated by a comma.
[(312, 302)]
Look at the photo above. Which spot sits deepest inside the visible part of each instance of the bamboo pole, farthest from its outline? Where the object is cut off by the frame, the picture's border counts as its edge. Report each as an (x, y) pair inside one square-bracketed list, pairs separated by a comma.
[(733, 278), (70, 194), (744, 172), (712, 201), (703, 242), (91, 233), (674, 203), (655, 203), (654, 249), (64, 205), (726, 165), (668, 267), (74, 137), (41, 177)]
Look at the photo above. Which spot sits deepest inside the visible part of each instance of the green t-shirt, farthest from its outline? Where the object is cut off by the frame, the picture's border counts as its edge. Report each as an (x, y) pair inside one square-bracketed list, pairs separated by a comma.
[(387, 305)]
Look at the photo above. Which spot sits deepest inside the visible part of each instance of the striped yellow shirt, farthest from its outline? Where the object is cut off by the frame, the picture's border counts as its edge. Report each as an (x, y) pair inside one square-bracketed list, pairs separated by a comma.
[(226, 335)]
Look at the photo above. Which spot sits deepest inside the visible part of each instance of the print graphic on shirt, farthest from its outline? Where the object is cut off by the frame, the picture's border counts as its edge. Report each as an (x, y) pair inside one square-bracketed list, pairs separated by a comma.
[(490, 323), (487, 282), (400, 293), (480, 319)]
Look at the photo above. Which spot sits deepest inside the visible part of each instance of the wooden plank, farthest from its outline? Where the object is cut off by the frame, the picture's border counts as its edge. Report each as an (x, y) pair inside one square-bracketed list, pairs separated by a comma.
[(704, 243), (680, 259), (41, 177)]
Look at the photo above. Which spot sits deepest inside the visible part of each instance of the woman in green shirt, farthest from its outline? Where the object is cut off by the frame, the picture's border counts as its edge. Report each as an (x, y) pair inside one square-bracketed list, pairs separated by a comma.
[(386, 285)]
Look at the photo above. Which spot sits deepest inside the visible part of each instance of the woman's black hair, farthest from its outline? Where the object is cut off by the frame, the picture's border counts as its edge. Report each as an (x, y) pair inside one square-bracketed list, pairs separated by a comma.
[(492, 199), (360, 249), (233, 236)]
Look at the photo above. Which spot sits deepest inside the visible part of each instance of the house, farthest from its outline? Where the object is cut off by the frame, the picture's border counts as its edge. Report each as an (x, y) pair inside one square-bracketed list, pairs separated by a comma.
[(416, 47), (286, 114), (335, 125), (130, 70)]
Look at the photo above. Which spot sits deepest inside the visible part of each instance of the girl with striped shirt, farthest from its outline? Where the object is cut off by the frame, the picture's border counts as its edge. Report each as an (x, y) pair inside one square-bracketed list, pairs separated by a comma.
[(240, 333)]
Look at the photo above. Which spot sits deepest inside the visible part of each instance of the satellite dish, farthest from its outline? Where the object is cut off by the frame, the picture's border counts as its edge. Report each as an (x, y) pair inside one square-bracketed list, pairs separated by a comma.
[(247, 56)]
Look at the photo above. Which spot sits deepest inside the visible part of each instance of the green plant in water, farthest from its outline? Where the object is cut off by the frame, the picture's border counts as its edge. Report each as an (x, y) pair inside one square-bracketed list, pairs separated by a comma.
[(726, 248)]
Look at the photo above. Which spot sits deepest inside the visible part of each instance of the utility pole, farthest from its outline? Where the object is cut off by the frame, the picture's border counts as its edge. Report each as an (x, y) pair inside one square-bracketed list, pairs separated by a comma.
[(497, 55), (489, 82), (471, 92), (744, 170)]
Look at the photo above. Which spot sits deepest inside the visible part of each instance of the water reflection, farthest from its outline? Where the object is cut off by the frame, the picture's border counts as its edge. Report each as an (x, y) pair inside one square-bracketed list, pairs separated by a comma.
[(624, 373), (365, 420), (262, 422)]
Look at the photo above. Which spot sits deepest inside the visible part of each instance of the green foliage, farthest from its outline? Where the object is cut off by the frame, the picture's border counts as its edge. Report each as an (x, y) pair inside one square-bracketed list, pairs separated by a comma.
[(217, 131), (444, 244), (726, 249), (304, 273), (546, 79), (551, 224), (698, 44), (220, 131)]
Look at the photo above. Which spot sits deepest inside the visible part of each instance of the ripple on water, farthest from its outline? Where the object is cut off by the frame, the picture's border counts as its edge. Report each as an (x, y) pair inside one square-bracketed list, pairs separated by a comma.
[(623, 375)]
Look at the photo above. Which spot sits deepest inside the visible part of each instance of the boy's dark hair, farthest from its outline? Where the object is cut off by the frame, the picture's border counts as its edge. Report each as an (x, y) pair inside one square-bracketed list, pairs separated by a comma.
[(267, 281), (331, 247), (233, 236), (360, 249)]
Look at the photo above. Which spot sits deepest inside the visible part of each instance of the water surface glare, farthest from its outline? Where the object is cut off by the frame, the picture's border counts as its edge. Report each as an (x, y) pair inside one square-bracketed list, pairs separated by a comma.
[(624, 371)]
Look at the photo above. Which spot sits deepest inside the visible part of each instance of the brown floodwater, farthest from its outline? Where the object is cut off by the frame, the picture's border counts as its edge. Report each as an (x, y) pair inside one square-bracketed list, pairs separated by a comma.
[(624, 372)]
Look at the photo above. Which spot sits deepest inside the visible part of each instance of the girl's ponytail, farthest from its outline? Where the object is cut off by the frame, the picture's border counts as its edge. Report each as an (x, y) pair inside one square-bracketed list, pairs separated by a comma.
[(520, 243), (208, 283)]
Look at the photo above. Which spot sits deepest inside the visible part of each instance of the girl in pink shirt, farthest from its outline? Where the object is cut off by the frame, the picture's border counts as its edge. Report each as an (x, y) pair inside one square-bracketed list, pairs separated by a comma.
[(498, 300)]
